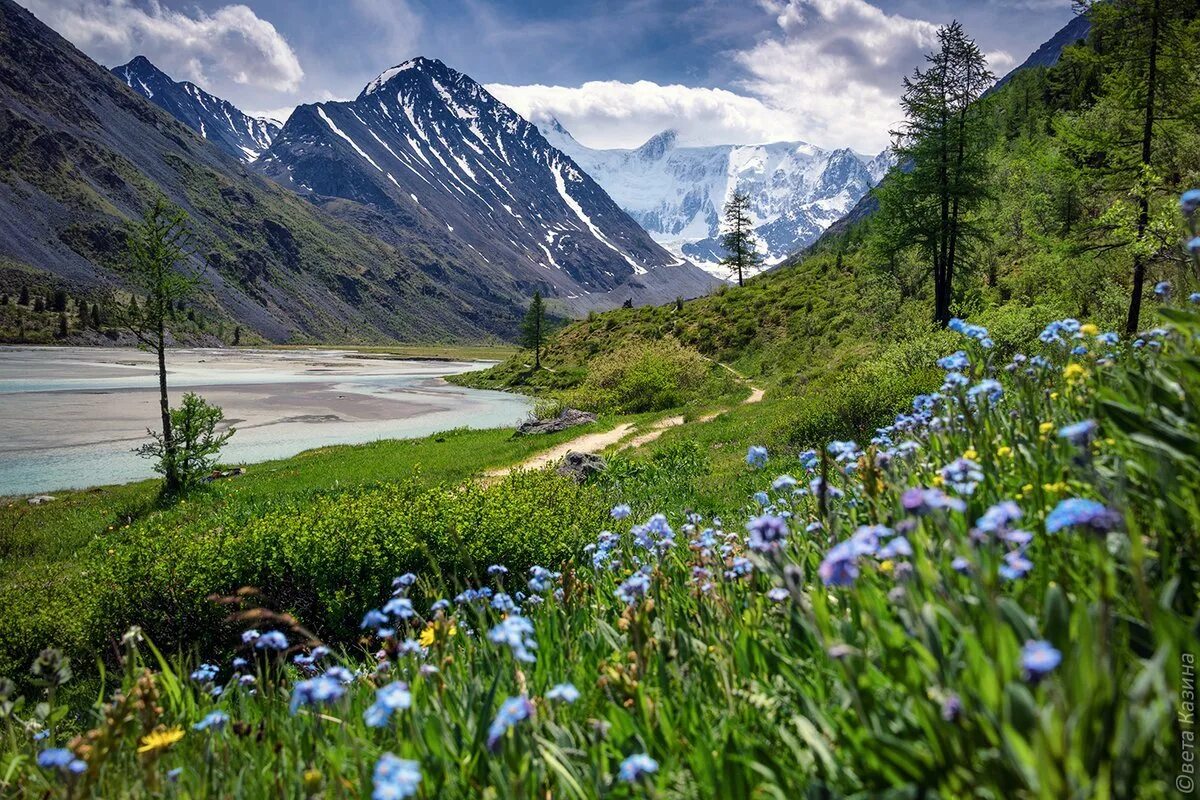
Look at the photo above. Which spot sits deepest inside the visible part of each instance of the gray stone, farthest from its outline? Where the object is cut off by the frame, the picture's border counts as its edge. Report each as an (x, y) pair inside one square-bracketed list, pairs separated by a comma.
[(581, 466), (42, 499), (569, 418)]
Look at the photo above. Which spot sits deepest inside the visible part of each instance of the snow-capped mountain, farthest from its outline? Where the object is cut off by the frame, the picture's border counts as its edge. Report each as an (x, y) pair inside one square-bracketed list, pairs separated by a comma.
[(424, 146), (678, 193), (241, 136)]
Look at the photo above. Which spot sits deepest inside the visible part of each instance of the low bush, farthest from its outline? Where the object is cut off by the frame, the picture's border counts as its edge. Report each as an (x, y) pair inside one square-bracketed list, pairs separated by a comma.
[(645, 375)]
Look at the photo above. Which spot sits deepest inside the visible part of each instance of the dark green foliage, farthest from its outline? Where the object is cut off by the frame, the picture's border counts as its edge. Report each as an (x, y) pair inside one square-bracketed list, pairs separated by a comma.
[(24, 297), (737, 237), (195, 445), (533, 328)]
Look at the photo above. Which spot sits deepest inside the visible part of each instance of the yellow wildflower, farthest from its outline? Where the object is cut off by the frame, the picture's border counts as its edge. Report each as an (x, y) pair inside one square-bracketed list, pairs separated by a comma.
[(1004, 451), (160, 739), (1054, 488), (1045, 427), (1074, 372), (1088, 329), (1054, 395), (1027, 488), (433, 630), (937, 480), (886, 566), (970, 453)]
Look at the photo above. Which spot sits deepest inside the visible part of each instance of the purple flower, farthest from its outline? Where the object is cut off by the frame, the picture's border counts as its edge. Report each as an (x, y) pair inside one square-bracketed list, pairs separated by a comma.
[(896, 548), (1016, 565), (1079, 434), (999, 517), (1077, 512), (272, 640), (61, 759), (777, 595), (633, 588), (395, 778), (373, 619), (951, 707), (1189, 201), (1039, 659), (756, 456), (516, 633), (563, 692), (925, 501), (767, 533), (839, 567), (214, 720), (962, 475), (388, 699)]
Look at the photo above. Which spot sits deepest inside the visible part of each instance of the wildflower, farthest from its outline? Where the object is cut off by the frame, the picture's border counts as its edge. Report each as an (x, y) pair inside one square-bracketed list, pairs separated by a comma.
[(403, 582), (1162, 289), (1189, 201), (61, 759), (951, 707), (271, 640), (637, 766), (400, 608), (250, 636), (839, 567), (316, 691), (160, 739), (395, 778), (439, 605), (1074, 372), (1078, 512), (512, 711), (1016, 565), (1193, 246), (503, 603), (388, 699), (564, 692), (999, 517), (897, 547), (1039, 659), (205, 673), (497, 569), (515, 632), (633, 588), (783, 483), (809, 459), (620, 511), (173, 774), (925, 501), (767, 533), (762, 498), (756, 456), (976, 332), (989, 388), (216, 720), (955, 362), (540, 578), (374, 619), (1079, 434), (961, 565), (962, 475), (1004, 451)]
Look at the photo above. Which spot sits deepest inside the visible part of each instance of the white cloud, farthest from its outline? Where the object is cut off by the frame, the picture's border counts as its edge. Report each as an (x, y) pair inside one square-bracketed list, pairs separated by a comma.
[(829, 72), (230, 43), (614, 114)]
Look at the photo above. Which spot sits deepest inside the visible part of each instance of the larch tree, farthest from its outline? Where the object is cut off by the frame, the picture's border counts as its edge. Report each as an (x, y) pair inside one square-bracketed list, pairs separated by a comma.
[(533, 328), (737, 237)]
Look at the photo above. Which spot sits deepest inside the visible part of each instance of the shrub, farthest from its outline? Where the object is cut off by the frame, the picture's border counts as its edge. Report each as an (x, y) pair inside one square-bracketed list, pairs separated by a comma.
[(197, 443), (649, 375)]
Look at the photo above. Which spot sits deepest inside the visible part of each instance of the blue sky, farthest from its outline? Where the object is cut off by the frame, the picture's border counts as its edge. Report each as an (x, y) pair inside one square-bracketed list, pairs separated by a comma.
[(615, 72)]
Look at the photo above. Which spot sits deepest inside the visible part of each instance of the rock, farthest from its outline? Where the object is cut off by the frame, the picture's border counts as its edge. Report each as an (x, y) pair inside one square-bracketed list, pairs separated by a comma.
[(569, 418), (41, 499), (581, 466)]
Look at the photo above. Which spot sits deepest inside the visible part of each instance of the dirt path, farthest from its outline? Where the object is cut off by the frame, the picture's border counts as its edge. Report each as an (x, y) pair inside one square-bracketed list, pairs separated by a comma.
[(601, 440)]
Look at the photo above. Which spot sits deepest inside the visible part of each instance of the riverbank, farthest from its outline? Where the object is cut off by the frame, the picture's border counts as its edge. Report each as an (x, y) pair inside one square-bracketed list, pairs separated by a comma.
[(71, 417)]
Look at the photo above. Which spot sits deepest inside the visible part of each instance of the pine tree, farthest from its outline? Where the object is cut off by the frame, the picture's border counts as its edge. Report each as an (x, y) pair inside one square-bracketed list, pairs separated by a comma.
[(737, 237), (1145, 51), (945, 139), (237, 335), (533, 328), (81, 308), (59, 302), (39, 305), (96, 316), (24, 298), (62, 325)]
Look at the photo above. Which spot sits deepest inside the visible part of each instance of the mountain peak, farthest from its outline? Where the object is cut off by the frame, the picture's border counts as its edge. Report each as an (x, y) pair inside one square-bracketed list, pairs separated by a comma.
[(659, 143), (419, 64)]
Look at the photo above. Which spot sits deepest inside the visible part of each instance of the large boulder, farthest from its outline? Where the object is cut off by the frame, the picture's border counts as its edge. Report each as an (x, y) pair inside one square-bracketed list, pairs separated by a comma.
[(581, 466), (569, 418)]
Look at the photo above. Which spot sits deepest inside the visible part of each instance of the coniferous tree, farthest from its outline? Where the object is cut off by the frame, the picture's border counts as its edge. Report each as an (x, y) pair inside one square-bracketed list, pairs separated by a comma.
[(4, 299), (96, 316), (737, 237), (157, 247), (1145, 53), (59, 301), (533, 328), (62, 325), (39, 305), (24, 297), (81, 308), (237, 335), (944, 139)]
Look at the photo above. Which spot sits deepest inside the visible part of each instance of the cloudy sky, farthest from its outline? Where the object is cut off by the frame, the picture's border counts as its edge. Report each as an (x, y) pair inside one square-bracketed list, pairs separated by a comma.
[(614, 72)]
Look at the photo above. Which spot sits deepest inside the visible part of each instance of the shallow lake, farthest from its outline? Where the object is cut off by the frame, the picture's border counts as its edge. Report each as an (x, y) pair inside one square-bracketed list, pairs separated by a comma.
[(71, 417)]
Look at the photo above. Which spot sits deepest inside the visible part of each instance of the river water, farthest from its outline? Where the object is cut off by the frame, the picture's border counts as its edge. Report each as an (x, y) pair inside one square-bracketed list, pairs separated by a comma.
[(71, 417)]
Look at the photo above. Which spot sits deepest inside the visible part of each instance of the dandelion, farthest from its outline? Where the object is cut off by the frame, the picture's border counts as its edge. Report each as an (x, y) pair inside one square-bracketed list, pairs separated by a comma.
[(636, 767), (388, 699), (756, 456), (214, 720), (512, 711), (1038, 659), (160, 739), (563, 692), (1077, 512), (395, 778)]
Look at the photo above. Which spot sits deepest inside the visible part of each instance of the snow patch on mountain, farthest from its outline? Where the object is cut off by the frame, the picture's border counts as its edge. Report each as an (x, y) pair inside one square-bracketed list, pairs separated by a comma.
[(677, 193)]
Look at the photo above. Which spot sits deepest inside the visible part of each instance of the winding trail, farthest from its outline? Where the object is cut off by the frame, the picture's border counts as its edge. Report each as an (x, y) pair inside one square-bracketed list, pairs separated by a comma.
[(616, 436)]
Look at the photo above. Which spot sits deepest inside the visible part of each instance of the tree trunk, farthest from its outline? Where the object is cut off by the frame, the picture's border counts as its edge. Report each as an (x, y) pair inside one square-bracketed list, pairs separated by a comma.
[(171, 474), (1139, 260)]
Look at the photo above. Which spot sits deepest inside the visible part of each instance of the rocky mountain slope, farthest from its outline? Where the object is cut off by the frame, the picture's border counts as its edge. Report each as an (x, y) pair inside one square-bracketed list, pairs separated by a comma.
[(241, 136), (677, 193), (81, 155), (426, 151)]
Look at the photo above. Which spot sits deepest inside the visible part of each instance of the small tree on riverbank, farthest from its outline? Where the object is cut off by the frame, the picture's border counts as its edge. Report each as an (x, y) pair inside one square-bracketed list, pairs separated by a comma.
[(738, 237), (158, 248)]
